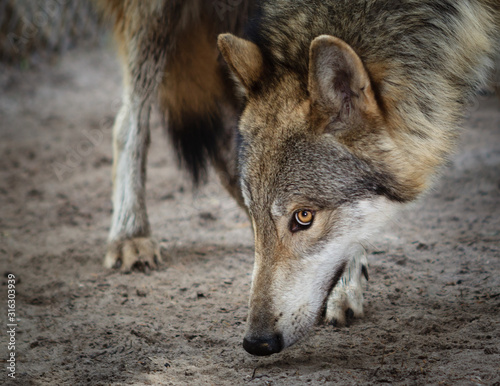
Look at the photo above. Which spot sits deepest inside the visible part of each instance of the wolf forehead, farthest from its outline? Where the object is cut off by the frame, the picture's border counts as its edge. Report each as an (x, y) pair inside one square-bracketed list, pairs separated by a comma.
[(309, 170)]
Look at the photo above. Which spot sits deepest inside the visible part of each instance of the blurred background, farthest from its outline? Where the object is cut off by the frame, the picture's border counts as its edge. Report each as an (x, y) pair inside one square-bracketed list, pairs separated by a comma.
[(32, 31)]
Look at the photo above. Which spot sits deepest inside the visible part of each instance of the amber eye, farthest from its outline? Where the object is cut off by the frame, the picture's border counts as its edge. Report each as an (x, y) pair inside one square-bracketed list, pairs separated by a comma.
[(302, 219)]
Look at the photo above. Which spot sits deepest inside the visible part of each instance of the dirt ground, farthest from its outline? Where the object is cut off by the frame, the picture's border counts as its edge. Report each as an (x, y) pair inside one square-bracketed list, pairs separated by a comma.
[(432, 303)]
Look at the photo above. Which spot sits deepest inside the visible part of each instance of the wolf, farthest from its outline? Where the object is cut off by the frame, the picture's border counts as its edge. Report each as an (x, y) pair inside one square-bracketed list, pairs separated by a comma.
[(323, 119)]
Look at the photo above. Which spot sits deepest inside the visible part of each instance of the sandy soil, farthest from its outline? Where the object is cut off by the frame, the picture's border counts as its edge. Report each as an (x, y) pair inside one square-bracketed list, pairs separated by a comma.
[(432, 304)]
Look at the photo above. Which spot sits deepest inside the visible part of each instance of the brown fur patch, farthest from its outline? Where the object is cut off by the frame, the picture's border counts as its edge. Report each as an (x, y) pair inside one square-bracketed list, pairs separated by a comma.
[(192, 79)]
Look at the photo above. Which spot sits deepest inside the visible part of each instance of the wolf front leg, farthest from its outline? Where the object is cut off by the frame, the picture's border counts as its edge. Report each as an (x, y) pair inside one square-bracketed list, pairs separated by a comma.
[(346, 299), (130, 244)]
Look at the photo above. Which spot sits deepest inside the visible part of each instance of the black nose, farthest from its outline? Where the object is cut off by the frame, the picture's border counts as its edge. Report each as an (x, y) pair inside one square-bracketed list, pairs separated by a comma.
[(263, 346)]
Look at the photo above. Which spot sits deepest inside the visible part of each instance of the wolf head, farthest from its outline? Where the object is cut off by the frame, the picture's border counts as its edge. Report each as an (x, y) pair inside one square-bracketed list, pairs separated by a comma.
[(312, 191)]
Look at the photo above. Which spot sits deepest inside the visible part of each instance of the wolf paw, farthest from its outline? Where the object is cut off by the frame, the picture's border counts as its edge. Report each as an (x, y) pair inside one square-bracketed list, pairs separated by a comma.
[(141, 254), (346, 300)]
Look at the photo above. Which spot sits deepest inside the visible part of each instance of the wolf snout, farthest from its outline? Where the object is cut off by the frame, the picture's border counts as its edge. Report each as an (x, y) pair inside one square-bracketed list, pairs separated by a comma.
[(263, 346)]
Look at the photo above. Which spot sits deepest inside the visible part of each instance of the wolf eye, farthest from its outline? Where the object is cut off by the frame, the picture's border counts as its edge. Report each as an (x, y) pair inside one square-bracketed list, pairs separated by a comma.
[(302, 219)]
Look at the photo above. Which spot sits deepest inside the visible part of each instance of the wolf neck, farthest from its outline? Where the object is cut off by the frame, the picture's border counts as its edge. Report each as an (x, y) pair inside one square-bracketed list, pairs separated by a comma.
[(411, 154), (410, 139)]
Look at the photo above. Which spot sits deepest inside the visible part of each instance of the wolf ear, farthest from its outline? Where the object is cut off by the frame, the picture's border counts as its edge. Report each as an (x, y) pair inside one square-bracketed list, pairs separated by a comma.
[(243, 57), (339, 86)]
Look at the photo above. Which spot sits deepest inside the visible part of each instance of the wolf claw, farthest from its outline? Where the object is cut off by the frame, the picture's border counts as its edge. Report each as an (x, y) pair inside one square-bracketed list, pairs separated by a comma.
[(346, 300), (141, 254)]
